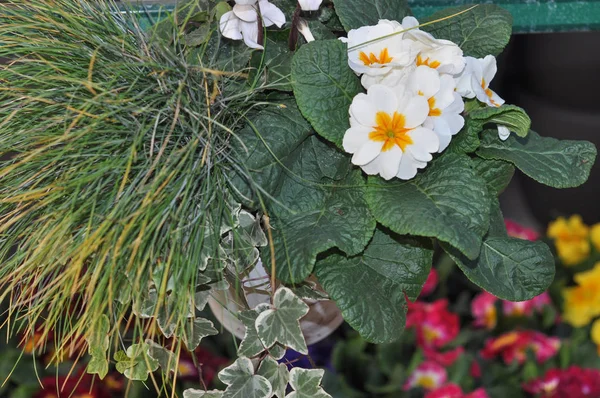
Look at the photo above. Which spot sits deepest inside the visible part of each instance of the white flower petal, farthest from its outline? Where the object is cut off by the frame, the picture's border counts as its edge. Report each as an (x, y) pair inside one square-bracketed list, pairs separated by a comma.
[(408, 167), (389, 162), (250, 33), (415, 110), (425, 142), (230, 26), (383, 99), (354, 138), (455, 122), (362, 111), (489, 68), (310, 5), (503, 132), (458, 106), (424, 81), (445, 96), (409, 22), (245, 2), (246, 13), (444, 142), (366, 153), (271, 15)]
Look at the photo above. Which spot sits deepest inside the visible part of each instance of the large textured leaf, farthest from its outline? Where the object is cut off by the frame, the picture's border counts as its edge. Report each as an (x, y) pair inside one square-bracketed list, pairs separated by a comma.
[(484, 30), (282, 322), (324, 87), (510, 116), (320, 205), (496, 173), (307, 383), (97, 339), (356, 13), (559, 164), (370, 288), (509, 268), (448, 201), (276, 373), (242, 382)]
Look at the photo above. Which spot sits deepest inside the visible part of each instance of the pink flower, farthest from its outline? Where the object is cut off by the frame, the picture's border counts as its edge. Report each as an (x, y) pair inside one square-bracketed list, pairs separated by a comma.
[(574, 382), (428, 375), (475, 370), (430, 283), (518, 231), (454, 391), (544, 385), (526, 308), (435, 325), (513, 346), (483, 309), (446, 358)]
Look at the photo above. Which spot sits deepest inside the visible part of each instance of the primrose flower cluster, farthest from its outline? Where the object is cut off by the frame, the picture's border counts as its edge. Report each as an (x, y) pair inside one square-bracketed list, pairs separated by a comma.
[(412, 107)]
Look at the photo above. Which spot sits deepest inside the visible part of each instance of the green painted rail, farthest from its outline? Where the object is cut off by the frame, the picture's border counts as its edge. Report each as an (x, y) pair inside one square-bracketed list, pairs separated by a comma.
[(529, 16)]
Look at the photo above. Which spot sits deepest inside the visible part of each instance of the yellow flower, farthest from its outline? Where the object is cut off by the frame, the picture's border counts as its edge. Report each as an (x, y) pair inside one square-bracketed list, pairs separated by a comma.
[(582, 302), (595, 334), (595, 236), (571, 238)]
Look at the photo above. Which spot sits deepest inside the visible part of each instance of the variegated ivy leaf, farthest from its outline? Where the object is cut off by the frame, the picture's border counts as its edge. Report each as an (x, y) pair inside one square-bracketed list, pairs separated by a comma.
[(282, 323), (241, 244), (193, 393), (135, 364), (251, 345), (276, 373), (97, 339), (277, 351), (195, 330), (307, 383), (242, 382), (166, 358)]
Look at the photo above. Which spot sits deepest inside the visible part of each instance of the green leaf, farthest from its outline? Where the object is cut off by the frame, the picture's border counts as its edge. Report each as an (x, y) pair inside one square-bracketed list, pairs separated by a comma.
[(220, 9), (357, 13), (136, 364), (277, 374), (559, 164), (98, 342), (448, 201), (484, 30), (242, 382), (496, 173), (193, 393), (307, 383), (509, 268), (308, 290), (390, 267), (195, 330), (166, 358), (510, 116), (282, 322), (324, 87), (251, 345)]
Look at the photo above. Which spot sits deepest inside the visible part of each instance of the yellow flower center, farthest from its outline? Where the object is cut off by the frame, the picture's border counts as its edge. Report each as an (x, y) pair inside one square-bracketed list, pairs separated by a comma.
[(382, 59), (427, 382), (391, 130), (430, 334), (488, 92), (433, 111), (490, 317), (427, 62)]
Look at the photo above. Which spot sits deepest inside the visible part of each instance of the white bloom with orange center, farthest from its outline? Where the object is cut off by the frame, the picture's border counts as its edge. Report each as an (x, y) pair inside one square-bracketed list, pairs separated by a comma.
[(242, 21), (428, 375), (475, 80), (386, 134), (373, 53), (396, 77), (445, 105), (443, 55)]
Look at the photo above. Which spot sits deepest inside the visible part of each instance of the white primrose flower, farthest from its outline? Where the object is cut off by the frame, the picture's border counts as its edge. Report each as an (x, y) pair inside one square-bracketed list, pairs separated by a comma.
[(396, 77), (242, 21), (443, 55), (386, 134), (475, 80), (445, 105), (377, 57), (310, 5)]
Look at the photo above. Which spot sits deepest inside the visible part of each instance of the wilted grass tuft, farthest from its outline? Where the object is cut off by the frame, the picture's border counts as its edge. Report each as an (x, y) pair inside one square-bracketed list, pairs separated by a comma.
[(118, 147)]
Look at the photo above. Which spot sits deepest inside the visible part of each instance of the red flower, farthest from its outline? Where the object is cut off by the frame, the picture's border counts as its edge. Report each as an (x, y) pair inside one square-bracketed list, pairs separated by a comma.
[(518, 231), (475, 370), (210, 364), (76, 386), (454, 391), (574, 382), (430, 283), (434, 324), (483, 309), (526, 308), (512, 346), (446, 358)]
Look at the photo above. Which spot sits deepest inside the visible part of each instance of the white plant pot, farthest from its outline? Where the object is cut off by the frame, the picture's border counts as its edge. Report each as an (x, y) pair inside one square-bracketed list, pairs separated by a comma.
[(322, 319)]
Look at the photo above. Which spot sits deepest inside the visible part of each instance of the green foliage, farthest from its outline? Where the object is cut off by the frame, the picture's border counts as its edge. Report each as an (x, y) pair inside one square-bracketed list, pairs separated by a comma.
[(559, 164), (484, 30), (447, 201), (510, 116), (276, 373), (496, 173), (306, 383), (390, 268), (98, 342), (281, 323), (193, 393), (357, 13), (324, 87), (242, 382), (251, 345), (195, 330), (136, 363)]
